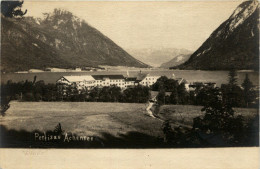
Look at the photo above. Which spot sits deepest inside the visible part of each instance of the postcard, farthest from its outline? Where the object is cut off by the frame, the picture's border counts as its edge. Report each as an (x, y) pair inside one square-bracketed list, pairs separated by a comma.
[(129, 76)]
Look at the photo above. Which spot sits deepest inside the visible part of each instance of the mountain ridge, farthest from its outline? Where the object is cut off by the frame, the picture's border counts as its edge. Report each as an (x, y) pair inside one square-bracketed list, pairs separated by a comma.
[(61, 40), (234, 44), (179, 59), (157, 56)]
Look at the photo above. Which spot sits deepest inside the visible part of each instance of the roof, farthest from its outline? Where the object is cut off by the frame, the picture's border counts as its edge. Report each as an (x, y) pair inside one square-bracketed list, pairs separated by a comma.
[(141, 76), (181, 80), (210, 83), (155, 93), (101, 77), (79, 78), (130, 79), (150, 75)]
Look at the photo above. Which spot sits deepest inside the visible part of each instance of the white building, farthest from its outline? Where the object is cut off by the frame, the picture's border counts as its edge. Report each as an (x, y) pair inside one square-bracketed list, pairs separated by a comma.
[(147, 80), (130, 81), (90, 81), (80, 82), (109, 80)]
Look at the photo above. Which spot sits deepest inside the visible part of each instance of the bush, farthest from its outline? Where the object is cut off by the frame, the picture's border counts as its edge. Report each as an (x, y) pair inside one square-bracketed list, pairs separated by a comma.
[(219, 119), (29, 97)]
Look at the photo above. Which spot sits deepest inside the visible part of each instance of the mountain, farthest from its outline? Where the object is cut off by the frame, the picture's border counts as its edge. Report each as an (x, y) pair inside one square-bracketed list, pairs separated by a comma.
[(180, 59), (61, 40), (155, 57), (234, 44)]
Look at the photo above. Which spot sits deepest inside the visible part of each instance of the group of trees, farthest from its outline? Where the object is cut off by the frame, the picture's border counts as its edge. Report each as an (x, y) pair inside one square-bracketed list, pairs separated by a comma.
[(219, 120), (244, 96), (137, 94), (29, 91), (179, 94), (238, 96), (219, 126), (170, 92), (39, 91)]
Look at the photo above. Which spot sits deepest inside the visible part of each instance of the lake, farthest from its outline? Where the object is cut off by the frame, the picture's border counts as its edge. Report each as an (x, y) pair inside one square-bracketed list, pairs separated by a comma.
[(219, 77)]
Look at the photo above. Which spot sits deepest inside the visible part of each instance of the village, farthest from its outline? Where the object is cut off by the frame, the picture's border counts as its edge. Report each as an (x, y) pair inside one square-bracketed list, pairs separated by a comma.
[(88, 82)]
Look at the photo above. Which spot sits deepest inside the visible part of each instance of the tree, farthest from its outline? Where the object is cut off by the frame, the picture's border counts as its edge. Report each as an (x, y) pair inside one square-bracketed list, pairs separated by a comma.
[(232, 93), (174, 97), (94, 94), (219, 118), (158, 84), (128, 96), (232, 77), (169, 85), (201, 95), (183, 96), (12, 8), (247, 84), (248, 93), (29, 96), (115, 93), (140, 94), (104, 94), (161, 97), (38, 89)]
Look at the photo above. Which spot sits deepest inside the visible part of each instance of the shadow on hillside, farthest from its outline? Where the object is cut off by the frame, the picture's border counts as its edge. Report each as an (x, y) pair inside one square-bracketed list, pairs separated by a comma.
[(140, 140), (131, 140), (10, 138), (23, 139)]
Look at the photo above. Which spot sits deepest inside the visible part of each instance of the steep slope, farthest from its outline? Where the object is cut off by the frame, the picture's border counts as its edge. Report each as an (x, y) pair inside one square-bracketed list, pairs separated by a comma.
[(233, 44), (155, 57), (180, 59), (59, 40), (20, 50)]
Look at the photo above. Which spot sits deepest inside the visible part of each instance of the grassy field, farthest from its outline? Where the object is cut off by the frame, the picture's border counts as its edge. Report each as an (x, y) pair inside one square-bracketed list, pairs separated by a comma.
[(184, 114), (104, 120), (83, 118)]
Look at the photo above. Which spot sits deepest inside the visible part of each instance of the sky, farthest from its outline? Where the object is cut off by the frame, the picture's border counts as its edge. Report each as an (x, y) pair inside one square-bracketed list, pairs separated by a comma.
[(137, 25)]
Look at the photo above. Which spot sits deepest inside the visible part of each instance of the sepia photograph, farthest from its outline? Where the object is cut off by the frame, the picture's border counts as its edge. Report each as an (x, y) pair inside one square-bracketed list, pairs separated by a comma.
[(129, 74)]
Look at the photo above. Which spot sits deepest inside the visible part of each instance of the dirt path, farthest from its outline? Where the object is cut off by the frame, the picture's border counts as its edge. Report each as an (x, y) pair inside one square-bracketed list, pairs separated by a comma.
[(148, 109)]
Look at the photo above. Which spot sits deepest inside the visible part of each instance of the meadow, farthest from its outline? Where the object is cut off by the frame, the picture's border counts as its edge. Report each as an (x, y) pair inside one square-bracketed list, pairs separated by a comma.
[(82, 118), (184, 114), (111, 121)]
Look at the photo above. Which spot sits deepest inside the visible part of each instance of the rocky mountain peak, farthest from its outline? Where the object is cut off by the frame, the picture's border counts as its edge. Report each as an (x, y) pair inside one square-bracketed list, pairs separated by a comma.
[(242, 12), (235, 43), (62, 19)]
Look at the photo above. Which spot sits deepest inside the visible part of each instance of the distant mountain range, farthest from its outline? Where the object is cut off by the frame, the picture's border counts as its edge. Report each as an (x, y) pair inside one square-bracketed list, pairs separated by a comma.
[(178, 60), (234, 44), (63, 40), (155, 57), (60, 40)]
